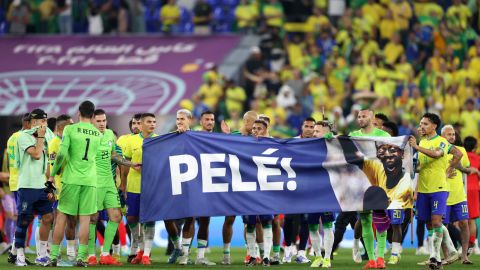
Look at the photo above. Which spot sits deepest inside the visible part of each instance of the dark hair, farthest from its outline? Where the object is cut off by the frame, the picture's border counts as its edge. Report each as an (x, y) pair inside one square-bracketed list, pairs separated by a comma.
[(86, 109), (130, 123), (62, 119), (206, 112), (137, 116), (99, 112), (260, 121), (435, 119), (323, 123), (145, 115), (470, 143), (309, 119), (51, 123), (382, 116), (392, 126)]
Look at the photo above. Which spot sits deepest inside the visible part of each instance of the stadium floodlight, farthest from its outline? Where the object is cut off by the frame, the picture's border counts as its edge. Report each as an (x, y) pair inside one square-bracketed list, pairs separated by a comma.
[(61, 91)]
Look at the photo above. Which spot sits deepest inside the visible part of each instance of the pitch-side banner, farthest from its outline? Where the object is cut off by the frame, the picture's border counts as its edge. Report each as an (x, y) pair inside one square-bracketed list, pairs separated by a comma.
[(208, 174)]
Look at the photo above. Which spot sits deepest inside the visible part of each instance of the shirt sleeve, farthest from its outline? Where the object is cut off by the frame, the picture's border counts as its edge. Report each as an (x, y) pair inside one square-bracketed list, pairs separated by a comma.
[(62, 153), (24, 142)]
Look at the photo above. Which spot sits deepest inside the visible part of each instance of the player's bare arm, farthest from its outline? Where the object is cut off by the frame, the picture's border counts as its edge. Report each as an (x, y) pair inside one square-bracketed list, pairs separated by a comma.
[(433, 153)]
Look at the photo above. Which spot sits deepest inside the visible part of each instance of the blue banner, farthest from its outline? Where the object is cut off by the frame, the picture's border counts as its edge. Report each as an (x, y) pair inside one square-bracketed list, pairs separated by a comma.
[(211, 174)]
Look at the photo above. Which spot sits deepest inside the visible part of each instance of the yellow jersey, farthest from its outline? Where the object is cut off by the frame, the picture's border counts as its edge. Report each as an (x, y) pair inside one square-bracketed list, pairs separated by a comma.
[(433, 171), (172, 12), (456, 188), (246, 15), (134, 152), (400, 196), (122, 141), (53, 149), (12, 163)]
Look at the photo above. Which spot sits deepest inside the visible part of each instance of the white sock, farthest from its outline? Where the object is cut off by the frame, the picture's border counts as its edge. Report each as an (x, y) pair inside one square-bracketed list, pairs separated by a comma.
[(37, 240), (21, 253), (186, 245), (448, 241), (71, 245), (149, 234), (396, 249), (135, 238), (315, 239), (437, 243), (201, 247), (251, 243), (355, 243), (141, 237), (116, 249), (267, 241), (177, 244), (42, 249), (301, 253), (328, 240), (261, 248), (226, 249)]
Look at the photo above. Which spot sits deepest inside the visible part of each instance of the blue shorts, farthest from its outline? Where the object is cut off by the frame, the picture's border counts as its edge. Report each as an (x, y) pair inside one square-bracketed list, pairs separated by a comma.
[(15, 196), (252, 219), (456, 212), (429, 204), (33, 201), (396, 216), (133, 204), (314, 218)]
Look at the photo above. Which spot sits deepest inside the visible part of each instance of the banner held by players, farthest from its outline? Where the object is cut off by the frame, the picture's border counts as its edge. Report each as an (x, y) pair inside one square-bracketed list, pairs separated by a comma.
[(199, 174)]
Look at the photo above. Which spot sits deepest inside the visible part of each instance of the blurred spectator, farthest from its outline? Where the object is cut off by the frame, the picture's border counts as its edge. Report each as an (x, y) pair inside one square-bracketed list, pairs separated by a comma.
[(470, 120), (136, 15), (252, 71), (286, 97), (95, 22), (48, 23), (64, 18), (210, 92), (387, 28), (246, 15), (123, 19), (202, 16), (18, 16), (393, 50), (235, 96), (169, 16), (273, 14), (458, 15)]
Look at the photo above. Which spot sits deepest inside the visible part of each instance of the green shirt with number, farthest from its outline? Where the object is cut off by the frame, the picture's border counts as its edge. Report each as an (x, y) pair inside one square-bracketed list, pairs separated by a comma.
[(80, 144), (103, 160)]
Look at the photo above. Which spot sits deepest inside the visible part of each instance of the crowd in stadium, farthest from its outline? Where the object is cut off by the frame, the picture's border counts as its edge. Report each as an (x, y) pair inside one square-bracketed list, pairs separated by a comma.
[(380, 66)]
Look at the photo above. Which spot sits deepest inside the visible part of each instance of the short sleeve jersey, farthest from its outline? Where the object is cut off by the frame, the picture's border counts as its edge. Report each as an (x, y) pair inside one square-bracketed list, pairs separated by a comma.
[(134, 153), (455, 185), (53, 149), (400, 196), (31, 172), (12, 162), (123, 141), (81, 141), (103, 160), (376, 132), (432, 177)]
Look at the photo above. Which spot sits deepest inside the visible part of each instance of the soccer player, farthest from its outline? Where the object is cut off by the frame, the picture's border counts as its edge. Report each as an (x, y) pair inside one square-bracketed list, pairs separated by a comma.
[(133, 153), (259, 129), (322, 129), (227, 231), (13, 172), (32, 163), (470, 144), (107, 194), (367, 128), (77, 153), (134, 126), (432, 181), (457, 208), (207, 122), (53, 148), (297, 223)]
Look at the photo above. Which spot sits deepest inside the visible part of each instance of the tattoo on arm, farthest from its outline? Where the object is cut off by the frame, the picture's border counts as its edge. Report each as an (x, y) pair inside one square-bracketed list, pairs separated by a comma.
[(121, 161)]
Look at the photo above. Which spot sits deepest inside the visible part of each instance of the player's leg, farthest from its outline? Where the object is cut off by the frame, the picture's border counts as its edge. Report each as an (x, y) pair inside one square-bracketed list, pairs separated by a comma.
[(250, 237), (70, 237), (303, 233), (260, 244), (327, 220), (188, 232), (277, 235), (92, 239), (202, 240), (396, 217), (174, 235), (111, 202), (357, 238), (313, 225), (342, 221), (87, 206), (25, 217), (367, 234), (43, 207), (133, 212), (438, 207), (381, 222), (461, 215), (267, 221), (227, 232), (289, 234)]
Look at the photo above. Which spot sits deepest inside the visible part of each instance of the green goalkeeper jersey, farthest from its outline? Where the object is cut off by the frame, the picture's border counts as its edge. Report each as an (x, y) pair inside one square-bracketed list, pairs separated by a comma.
[(103, 160), (80, 144)]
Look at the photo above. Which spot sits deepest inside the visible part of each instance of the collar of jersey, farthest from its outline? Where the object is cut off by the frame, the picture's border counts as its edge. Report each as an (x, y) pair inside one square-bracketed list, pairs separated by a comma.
[(433, 137)]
